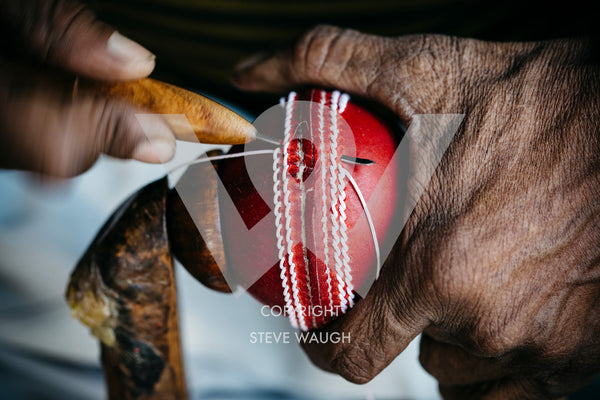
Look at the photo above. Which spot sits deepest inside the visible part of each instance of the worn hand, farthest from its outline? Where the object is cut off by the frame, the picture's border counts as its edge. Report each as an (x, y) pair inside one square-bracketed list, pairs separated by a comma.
[(499, 263), (45, 127)]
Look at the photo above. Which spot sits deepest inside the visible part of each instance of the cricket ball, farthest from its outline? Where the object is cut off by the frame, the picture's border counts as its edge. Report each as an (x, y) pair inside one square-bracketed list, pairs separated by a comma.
[(302, 233)]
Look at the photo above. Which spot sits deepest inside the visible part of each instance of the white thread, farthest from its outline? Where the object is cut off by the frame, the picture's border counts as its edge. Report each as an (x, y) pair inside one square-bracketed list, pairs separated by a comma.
[(280, 240), (282, 102), (342, 104), (216, 158), (344, 98), (302, 167), (369, 219), (334, 189), (324, 219), (287, 212), (344, 242)]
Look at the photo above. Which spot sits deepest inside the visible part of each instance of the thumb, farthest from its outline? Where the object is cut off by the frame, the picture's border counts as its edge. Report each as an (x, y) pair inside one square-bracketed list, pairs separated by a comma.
[(371, 334), (64, 33)]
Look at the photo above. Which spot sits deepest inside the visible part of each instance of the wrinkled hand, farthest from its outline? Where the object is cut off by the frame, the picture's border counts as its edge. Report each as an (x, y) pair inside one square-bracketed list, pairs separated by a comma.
[(499, 263), (48, 129)]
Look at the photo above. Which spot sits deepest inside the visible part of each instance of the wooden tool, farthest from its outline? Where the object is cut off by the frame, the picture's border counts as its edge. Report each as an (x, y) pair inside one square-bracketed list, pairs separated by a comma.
[(123, 289), (210, 121)]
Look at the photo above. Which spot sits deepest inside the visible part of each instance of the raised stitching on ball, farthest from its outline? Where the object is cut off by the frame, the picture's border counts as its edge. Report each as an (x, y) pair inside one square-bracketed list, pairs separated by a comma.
[(297, 292)]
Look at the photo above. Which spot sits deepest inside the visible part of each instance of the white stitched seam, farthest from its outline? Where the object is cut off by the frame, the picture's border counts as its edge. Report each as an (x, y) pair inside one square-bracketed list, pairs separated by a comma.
[(280, 239), (302, 167), (335, 225), (344, 242), (288, 214), (342, 103), (344, 98), (333, 199), (324, 219)]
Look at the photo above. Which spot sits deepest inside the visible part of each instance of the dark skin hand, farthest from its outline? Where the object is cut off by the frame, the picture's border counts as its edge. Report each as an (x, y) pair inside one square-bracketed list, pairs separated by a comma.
[(44, 126), (499, 263)]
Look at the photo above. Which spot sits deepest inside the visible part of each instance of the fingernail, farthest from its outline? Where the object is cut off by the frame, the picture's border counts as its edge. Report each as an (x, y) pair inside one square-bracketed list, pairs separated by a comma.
[(154, 151), (129, 52)]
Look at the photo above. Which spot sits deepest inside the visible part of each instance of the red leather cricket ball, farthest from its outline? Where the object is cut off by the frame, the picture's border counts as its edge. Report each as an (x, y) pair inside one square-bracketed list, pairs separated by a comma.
[(311, 244)]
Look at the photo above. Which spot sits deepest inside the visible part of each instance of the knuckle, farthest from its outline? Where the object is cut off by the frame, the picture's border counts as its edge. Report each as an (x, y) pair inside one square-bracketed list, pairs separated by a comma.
[(58, 24), (353, 365), (64, 151), (493, 338), (431, 49), (316, 50), (116, 130), (432, 62)]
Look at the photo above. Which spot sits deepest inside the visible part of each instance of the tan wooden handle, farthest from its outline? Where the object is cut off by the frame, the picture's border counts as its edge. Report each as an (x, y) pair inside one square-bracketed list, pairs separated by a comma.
[(210, 121)]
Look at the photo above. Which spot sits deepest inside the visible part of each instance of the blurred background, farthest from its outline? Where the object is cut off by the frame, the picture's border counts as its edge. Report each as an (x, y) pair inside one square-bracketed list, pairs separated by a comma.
[(46, 227), (198, 42)]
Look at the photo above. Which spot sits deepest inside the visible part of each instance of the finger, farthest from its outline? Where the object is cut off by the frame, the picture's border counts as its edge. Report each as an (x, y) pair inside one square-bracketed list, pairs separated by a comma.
[(377, 329), (325, 56), (451, 365), (384, 69), (63, 137), (66, 34)]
